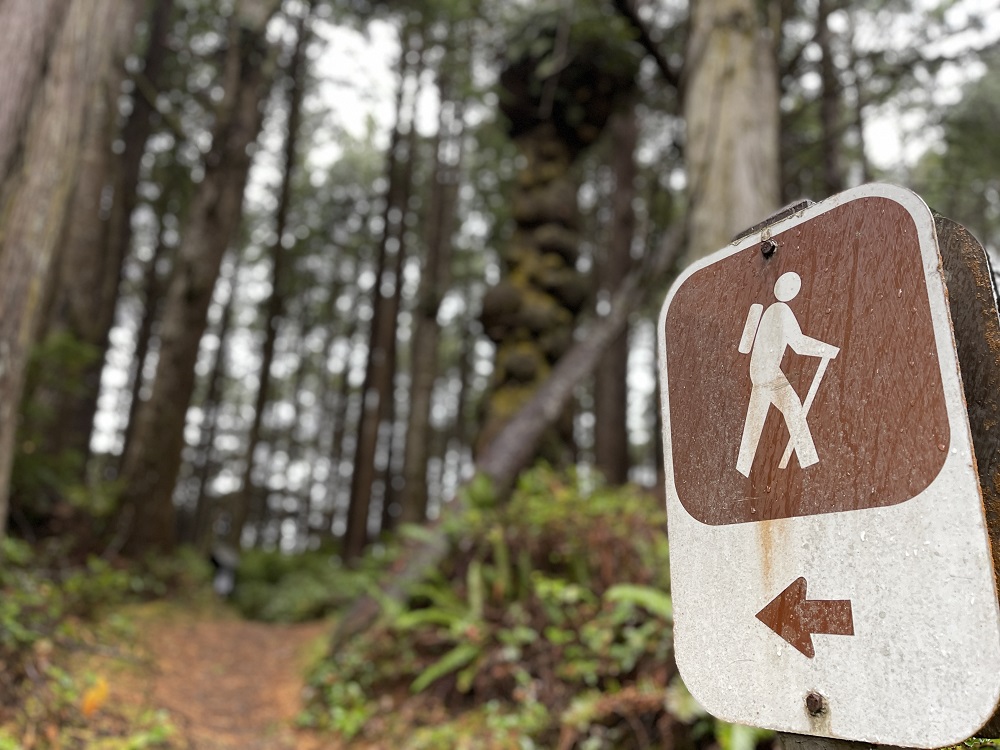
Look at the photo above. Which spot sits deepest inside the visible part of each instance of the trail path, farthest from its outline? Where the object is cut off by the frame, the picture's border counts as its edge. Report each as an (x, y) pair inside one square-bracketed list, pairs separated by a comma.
[(228, 683)]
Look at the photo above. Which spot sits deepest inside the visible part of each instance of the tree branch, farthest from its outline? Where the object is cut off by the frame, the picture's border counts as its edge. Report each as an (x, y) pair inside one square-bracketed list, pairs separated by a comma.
[(627, 9)]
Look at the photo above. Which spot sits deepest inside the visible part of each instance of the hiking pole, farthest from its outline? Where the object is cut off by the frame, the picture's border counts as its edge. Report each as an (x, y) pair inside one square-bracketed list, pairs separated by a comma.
[(810, 397)]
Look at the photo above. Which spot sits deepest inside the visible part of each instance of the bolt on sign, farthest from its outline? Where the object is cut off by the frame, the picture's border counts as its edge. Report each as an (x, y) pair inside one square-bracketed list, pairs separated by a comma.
[(830, 561)]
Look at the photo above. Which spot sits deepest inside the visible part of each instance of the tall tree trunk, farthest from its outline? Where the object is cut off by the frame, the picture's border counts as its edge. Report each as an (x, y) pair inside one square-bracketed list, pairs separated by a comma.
[(204, 463), (339, 432), (53, 55), (731, 114), (152, 297), (829, 103), (460, 432), (611, 447), (322, 443), (97, 229), (288, 445), (151, 465), (275, 307), (377, 390), (435, 279)]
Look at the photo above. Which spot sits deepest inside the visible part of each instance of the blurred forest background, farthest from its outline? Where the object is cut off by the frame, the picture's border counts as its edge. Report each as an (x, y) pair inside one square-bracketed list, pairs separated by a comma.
[(271, 301)]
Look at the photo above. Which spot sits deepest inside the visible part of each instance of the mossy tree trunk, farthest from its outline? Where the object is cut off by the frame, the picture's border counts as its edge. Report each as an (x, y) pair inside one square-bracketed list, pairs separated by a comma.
[(96, 235), (55, 57), (560, 86), (530, 314)]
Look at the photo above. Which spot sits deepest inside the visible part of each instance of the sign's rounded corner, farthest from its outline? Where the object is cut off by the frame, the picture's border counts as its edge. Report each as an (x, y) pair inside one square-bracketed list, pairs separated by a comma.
[(911, 202), (987, 719), (690, 678)]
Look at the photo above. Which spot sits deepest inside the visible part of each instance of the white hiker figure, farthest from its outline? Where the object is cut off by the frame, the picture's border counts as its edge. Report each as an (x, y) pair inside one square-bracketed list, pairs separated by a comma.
[(766, 336)]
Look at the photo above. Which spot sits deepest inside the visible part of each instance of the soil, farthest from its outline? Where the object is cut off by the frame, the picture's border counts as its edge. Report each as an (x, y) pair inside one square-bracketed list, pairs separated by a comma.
[(225, 682)]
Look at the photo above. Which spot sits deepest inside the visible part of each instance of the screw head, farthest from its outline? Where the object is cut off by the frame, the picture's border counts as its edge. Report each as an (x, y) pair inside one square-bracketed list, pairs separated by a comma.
[(768, 247), (815, 704)]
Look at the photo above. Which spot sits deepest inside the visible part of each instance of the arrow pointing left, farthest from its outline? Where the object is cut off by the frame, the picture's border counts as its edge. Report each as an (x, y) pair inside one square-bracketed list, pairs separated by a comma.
[(796, 619)]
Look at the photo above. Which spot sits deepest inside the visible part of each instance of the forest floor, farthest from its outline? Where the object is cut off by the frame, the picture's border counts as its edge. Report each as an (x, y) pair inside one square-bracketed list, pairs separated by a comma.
[(224, 683)]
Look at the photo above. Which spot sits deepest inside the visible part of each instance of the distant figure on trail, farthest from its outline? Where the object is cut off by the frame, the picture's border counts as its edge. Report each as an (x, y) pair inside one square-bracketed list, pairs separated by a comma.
[(225, 563), (766, 334)]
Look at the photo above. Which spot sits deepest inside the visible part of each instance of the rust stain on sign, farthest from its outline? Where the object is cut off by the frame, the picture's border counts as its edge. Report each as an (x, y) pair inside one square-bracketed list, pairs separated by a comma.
[(857, 350)]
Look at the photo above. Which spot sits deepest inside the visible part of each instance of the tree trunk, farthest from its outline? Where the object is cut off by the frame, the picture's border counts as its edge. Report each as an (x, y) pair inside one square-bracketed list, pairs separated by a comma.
[(830, 104), (531, 312), (435, 279), (204, 518), (152, 297), (97, 230), (377, 390), (338, 432), (151, 465), (552, 117), (53, 55), (275, 307), (731, 114), (611, 446), (288, 444)]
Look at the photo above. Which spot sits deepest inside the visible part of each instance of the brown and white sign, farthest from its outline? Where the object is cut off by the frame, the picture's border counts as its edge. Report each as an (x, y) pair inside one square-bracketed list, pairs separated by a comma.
[(830, 564)]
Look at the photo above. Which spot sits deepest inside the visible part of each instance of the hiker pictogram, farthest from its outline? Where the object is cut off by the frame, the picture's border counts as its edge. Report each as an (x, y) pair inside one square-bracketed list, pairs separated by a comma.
[(766, 335)]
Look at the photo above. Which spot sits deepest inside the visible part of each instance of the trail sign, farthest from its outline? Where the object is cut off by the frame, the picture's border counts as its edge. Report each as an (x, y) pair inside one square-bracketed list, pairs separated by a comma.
[(831, 567)]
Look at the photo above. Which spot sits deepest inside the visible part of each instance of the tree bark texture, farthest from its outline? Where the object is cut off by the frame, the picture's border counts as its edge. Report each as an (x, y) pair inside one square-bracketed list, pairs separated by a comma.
[(512, 450), (97, 230), (150, 467), (530, 314), (53, 55), (611, 447), (731, 114)]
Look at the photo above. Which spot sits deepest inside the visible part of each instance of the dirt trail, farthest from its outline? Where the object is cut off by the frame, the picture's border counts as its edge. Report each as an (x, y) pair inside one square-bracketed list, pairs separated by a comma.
[(228, 683)]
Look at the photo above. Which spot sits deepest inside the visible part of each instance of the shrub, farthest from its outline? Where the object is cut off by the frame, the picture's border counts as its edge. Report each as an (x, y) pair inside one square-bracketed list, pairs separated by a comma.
[(548, 625)]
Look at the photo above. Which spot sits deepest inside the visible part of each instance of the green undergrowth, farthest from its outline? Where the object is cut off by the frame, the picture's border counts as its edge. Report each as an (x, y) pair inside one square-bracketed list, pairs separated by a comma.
[(276, 587), (54, 614), (548, 625)]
